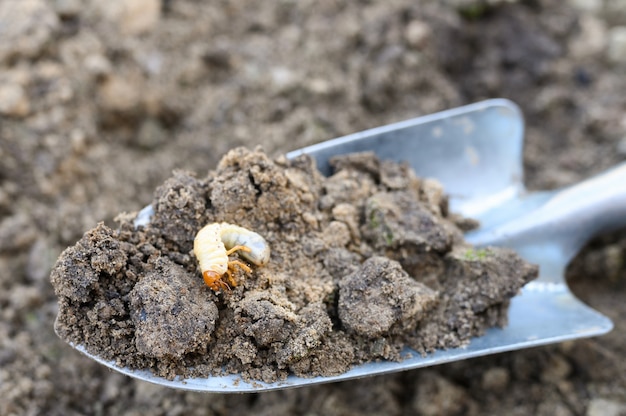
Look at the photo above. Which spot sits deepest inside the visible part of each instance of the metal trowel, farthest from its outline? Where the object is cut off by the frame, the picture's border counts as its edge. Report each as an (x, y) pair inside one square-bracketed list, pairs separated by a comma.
[(475, 151)]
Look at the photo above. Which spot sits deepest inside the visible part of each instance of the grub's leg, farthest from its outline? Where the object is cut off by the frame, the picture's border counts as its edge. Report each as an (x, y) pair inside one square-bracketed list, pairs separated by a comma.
[(236, 248), (231, 269), (231, 279), (241, 265)]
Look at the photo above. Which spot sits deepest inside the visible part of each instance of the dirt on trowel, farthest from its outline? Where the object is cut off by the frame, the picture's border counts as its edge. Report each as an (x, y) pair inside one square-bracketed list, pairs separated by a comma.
[(363, 264)]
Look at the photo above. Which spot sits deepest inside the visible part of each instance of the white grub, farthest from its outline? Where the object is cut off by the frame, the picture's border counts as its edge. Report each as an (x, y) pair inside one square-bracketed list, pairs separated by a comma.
[(216, 241)]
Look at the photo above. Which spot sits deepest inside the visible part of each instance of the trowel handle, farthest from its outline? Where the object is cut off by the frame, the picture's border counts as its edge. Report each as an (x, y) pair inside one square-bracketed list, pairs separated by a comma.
[(583, 210), (559, 227)]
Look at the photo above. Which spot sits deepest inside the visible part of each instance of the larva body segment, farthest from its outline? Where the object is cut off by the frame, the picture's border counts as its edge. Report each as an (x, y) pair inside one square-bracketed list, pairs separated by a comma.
[(233, 235), (216, 241), (210, 249)]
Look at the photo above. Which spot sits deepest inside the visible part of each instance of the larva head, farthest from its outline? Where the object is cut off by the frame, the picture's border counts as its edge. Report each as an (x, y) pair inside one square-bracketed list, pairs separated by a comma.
[(214, 280)]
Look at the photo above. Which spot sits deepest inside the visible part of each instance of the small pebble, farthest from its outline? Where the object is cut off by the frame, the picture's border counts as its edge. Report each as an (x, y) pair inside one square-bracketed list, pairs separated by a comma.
[(26, 27), (591, 39), (139, 16), (13, 101), (417, 33), (119, 94), (496, 379), (605, 407), (67, 8), (97, 65), (589, 6), (616, 51)]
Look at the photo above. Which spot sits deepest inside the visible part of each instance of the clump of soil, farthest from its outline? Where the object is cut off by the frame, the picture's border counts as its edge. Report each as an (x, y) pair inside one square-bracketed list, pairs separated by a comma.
[(364, 263)]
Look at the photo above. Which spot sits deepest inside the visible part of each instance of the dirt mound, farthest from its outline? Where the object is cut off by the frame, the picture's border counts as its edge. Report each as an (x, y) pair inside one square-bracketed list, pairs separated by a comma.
[(335, 285)]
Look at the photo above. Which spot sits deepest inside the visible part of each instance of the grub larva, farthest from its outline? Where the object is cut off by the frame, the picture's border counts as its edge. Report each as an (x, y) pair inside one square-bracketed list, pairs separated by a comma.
[(215, 242)]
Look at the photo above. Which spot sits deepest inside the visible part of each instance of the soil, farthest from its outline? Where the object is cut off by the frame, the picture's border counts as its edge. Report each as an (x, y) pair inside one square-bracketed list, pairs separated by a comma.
[(334, 294), (101, 101)]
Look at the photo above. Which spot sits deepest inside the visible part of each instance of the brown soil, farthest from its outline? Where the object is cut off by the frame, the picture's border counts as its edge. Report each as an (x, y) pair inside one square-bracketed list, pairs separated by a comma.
[(100, 102), (335, 292)]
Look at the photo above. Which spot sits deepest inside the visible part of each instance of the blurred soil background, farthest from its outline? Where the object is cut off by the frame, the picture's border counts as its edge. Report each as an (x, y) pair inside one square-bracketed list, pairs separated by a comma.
[(100, 101)]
